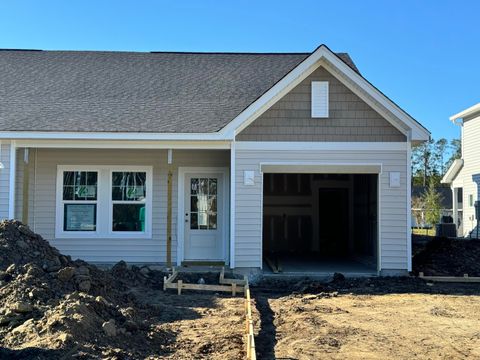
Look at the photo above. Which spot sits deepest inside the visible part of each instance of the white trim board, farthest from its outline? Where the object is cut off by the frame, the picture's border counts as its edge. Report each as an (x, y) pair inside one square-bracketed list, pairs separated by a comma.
[(124, 144), (327, 146), (109, 135), (321, 167), (233, 191), (182, 171), (409, 208)]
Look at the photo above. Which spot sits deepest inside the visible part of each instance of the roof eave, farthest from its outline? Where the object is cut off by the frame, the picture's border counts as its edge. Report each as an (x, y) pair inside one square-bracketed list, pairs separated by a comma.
[(452, 171), (465, 113)]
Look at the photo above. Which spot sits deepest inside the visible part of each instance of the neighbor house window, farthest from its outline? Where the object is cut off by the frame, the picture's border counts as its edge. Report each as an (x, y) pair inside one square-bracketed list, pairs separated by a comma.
[(79, 200), (128, 200), (319, 99), (103, 201)]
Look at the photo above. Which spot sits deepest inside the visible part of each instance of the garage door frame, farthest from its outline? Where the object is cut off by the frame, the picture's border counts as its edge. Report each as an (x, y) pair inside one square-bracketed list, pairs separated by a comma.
[(328, 168)]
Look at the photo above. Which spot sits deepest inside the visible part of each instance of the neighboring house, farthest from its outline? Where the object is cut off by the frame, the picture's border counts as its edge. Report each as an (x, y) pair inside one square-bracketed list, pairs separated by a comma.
[(445, 204), (464, 174), (207, 158)]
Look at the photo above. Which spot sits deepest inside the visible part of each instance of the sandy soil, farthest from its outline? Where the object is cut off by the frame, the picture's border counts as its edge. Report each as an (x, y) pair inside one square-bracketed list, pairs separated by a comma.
[(206, 326), (363, 320)]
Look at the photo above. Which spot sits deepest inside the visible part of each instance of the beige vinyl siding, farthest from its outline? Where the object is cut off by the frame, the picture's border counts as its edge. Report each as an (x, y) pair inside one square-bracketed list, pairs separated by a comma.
[(393, 209), (350, 118), (471, 166), (109, 250), (4, 179)]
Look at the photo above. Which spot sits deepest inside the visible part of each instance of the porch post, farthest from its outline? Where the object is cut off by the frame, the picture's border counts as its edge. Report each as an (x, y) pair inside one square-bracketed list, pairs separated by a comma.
[(169, 207), (232, 204), (11, 182)]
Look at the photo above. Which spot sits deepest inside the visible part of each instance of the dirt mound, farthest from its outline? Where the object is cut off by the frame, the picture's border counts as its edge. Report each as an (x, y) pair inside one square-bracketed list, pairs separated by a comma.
[(53, 307), (453, 257)]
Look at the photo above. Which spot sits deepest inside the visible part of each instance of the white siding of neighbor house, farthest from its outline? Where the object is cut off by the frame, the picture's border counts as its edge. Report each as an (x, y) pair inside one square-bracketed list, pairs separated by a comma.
[(393, 209), (4, 178), (107, 250), (471, 166)]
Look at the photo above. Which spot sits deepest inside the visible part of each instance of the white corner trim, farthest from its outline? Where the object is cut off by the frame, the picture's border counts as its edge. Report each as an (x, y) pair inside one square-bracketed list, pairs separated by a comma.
[(409, 207), (2, 166), (232, 203), (11, 181), (327, 146)]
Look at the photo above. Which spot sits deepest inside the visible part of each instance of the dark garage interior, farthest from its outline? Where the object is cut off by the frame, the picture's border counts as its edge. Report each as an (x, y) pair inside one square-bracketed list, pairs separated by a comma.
[(320, 222)]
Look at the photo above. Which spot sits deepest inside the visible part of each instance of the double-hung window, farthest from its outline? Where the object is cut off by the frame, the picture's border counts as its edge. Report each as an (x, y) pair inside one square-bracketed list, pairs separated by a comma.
[(79, 199), (104, 201), (128, 200)]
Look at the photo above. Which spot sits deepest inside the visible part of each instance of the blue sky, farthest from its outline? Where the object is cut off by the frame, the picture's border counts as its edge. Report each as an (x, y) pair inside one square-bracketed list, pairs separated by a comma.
[(423, 54)]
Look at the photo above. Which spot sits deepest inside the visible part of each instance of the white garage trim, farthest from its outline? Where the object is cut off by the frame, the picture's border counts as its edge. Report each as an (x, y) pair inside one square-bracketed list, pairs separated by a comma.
[(321, 168)]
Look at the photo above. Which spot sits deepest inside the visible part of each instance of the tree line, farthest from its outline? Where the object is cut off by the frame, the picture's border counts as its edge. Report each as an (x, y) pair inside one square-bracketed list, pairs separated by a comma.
[(430, 162)]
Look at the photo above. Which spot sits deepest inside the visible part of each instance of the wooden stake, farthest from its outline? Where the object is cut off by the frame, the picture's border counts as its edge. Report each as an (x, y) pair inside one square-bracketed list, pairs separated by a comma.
[(179, 284)]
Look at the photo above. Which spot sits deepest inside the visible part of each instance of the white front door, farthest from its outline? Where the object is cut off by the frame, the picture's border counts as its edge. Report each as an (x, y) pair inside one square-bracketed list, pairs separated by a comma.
[(204, 216)]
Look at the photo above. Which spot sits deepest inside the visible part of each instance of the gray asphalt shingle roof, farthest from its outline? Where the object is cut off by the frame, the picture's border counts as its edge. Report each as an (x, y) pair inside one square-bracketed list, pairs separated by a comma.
[(133, 92)]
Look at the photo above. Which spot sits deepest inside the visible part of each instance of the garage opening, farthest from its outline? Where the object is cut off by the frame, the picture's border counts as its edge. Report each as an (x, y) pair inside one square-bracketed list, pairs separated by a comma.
[(320, 222)]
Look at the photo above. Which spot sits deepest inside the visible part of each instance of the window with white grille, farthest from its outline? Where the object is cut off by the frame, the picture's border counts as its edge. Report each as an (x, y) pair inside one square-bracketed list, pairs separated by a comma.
[(319, 99)]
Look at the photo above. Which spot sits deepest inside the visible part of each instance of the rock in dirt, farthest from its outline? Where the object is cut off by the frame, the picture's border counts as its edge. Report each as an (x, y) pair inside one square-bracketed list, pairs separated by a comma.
[(21, 307), (84, 286), (338, 277), (66, 274), (11, 269), (110, 328)]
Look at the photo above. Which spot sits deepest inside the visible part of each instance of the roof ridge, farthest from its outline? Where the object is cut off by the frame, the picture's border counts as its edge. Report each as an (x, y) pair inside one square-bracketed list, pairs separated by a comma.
[(164, 52)]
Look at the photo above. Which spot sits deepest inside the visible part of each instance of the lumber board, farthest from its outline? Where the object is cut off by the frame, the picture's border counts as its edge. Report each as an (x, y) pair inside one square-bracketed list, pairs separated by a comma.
[(207, 287), (465, 278), (271, 265), (224, 280)]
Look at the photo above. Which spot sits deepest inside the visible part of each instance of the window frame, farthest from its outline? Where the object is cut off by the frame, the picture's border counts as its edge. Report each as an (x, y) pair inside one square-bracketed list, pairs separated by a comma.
[(104, 210), (147, 202)]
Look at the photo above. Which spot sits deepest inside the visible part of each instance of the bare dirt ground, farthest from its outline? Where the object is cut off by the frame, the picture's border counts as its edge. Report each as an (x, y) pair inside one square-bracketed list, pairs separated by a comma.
[(54, 308), (369, 319)]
